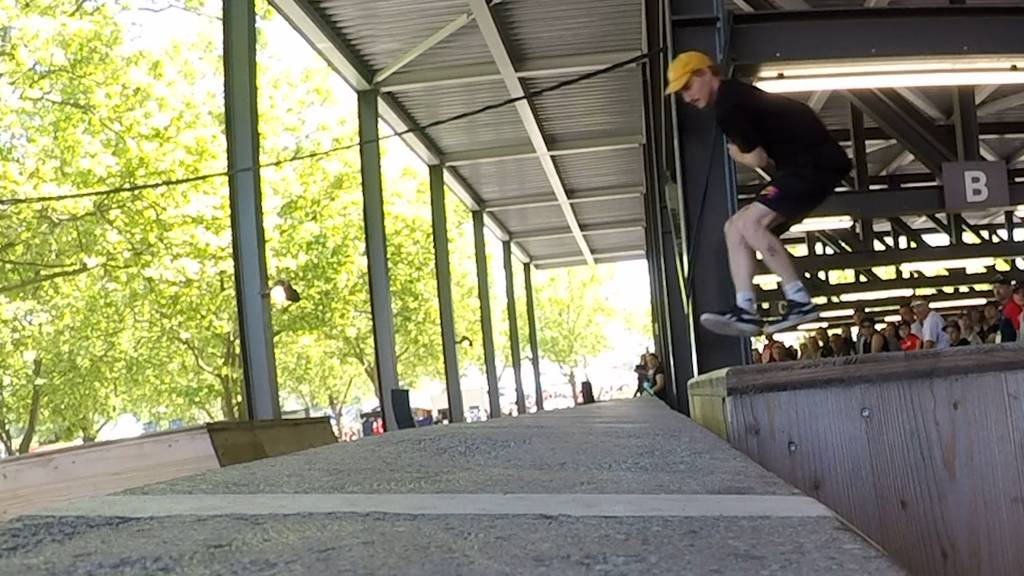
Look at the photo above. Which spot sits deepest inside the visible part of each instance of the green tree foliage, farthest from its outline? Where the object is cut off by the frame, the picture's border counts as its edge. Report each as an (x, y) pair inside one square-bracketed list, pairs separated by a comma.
[(125, 303), (572, 317)]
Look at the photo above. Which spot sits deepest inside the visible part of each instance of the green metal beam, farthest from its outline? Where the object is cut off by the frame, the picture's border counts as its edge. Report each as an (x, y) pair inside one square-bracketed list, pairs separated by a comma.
[(444, 293)]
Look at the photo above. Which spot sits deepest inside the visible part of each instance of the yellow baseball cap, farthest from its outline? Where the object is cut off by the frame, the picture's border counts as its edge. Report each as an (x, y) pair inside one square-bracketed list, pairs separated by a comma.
[(682, 67)]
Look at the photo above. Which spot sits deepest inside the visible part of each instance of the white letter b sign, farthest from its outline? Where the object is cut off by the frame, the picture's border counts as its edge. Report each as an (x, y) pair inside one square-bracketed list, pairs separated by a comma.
[(975, 186)]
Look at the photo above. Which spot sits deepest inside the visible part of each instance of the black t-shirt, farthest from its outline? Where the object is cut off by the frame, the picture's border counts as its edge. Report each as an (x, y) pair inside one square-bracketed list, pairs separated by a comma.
[(789, 131), (866, 348), (663, 393)]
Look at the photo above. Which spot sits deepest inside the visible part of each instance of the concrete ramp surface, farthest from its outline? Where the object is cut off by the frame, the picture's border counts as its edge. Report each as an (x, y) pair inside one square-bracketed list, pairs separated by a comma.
[(626, 487)]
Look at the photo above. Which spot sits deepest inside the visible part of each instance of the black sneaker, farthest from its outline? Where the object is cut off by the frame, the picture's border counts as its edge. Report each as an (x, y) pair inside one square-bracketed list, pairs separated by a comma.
[(735, 322), (797, 313)]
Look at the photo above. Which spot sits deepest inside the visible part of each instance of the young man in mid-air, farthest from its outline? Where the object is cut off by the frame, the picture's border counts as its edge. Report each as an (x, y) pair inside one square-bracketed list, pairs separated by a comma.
[(783, 137)]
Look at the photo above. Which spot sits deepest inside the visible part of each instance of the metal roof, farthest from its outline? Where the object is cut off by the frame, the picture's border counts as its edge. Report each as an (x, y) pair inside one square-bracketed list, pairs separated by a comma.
[(561, 177), (549, 174)]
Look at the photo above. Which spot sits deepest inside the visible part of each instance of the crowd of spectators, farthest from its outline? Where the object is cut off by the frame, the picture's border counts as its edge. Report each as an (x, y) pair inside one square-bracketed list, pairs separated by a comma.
[(919, 328)]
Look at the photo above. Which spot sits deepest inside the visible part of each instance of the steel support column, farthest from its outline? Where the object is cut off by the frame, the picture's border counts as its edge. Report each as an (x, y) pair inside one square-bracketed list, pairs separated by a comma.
[(833, 34), (444, 293), (968, 143), (906, 124), (672, 328), (513, 327), (534, 348), (861, 176), (483, 289), (377, 256), (245, 197), (705, 166)]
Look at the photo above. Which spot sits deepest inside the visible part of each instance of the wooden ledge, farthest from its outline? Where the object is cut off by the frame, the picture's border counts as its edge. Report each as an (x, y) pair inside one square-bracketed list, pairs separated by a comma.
[(852, 370), (36, 481)]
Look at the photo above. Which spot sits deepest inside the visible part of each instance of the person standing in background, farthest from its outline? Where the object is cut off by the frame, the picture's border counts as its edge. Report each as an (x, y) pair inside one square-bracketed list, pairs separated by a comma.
[(932, 326), (824, 343), (909, 342), (1009, 324), (892, 336), (968, 329), (907, 314), (873, 342)]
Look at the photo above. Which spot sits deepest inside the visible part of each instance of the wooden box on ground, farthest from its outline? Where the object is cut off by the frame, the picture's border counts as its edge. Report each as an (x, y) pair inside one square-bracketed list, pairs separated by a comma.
[(922, 452), (37, 481)]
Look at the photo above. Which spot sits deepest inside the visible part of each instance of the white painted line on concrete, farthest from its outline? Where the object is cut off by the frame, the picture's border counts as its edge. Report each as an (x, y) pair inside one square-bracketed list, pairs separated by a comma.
[(607, 505)]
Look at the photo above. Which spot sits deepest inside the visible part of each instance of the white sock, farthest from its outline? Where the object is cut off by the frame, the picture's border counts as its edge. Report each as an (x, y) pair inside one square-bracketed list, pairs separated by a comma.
[(796, 292), (746, 301)]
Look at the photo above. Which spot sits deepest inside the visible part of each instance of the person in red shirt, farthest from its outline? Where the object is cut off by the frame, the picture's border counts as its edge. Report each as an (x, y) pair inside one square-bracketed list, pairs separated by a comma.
[(908, 340), (1011, 310)]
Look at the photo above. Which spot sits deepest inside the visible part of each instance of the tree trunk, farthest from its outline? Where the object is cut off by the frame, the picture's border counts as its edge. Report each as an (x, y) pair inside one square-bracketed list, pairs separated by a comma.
[(230, 406), (371, 373), (33, 413), (572, 382), (337, 405), (227, 399)]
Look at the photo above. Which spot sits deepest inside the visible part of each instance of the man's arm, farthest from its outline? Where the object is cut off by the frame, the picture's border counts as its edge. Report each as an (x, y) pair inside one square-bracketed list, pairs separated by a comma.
[(756, 158)]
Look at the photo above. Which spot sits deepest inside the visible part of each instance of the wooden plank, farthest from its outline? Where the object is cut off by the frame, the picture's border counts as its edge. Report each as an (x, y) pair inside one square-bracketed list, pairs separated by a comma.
[(833, 457), (710, 412), (852, 370), (1013, 383), (773, 431), (948, 492), (983, 479), (744, 425), (905, 485), (44, 480)]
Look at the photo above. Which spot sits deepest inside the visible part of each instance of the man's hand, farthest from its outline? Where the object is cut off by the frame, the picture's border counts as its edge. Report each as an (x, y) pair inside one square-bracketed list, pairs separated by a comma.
[(756, 158)]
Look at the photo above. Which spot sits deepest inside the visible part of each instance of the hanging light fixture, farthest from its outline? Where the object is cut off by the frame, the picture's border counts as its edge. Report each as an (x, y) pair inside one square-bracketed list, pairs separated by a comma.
[(890, 73)]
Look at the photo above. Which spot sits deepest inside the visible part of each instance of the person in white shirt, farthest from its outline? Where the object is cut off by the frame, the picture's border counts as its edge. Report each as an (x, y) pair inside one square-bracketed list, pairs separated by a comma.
[(933, 334), (907, 313)]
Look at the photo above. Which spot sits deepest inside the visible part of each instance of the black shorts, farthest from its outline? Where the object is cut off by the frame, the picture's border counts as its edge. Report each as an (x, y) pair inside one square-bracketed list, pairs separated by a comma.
[(794, 195)]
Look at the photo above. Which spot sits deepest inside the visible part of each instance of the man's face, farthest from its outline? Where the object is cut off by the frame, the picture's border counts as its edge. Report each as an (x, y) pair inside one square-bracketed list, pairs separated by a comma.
[(907, 314), (699, 91), (921, 312), (858, 316), (1002, 292)]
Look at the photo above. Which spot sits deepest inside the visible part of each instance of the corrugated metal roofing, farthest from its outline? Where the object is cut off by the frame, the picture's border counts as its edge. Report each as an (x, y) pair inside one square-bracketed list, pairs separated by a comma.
[(622, 168), (382, 30), (533, 219), (546, 28), (616, 241), (606, 105), (534, 32), (543, 249), (519, 178), (500, 127), (607, 211)]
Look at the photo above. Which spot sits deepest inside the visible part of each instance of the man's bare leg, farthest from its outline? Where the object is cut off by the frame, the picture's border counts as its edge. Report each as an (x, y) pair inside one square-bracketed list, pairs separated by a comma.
[(758, 235), (741, 261), (743, 319)]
